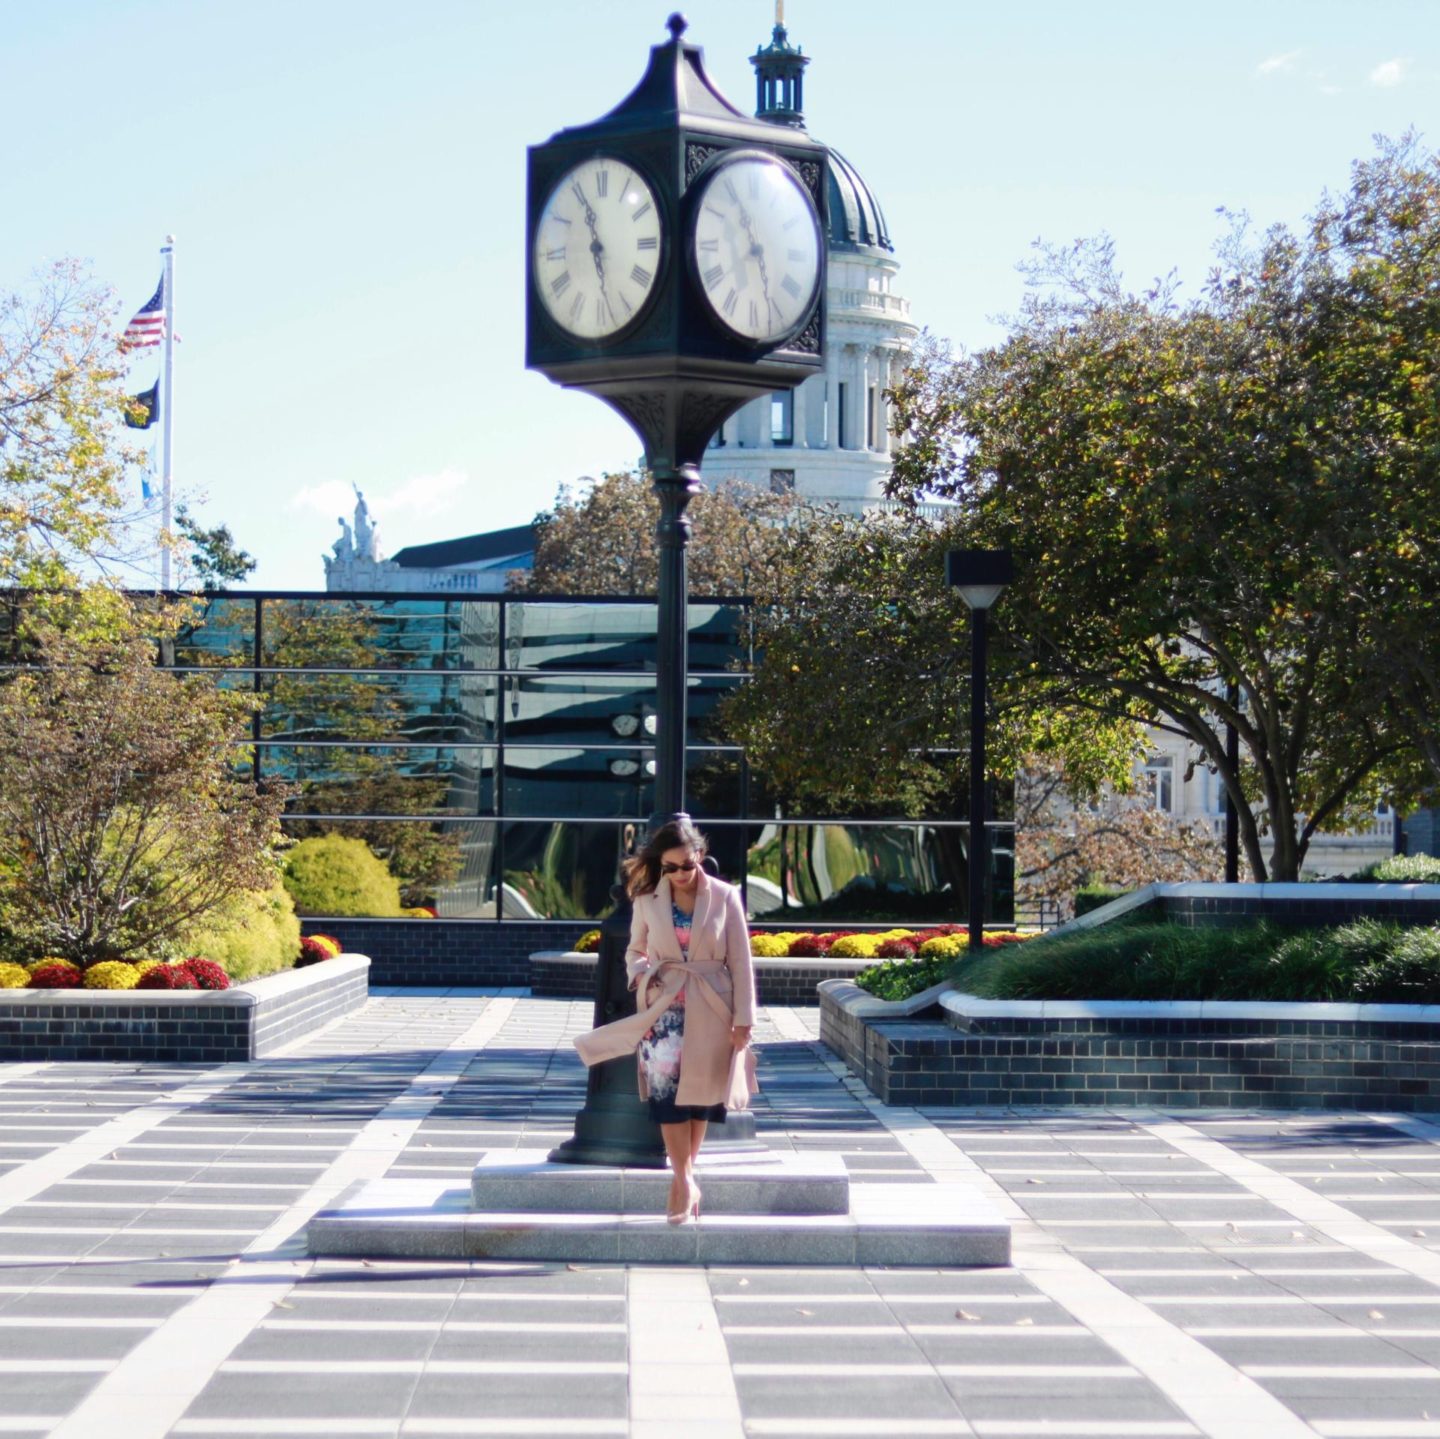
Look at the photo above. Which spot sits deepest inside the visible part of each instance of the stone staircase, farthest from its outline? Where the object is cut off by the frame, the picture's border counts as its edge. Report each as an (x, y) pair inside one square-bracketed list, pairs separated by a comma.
[(771, 1208)]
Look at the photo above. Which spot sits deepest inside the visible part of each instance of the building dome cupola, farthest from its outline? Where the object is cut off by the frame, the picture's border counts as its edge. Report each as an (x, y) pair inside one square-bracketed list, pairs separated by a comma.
[(780, 77)]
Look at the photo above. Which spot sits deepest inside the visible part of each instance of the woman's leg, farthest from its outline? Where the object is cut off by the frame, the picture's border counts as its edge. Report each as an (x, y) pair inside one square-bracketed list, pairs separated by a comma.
[(697, 1138), (678, 1151)]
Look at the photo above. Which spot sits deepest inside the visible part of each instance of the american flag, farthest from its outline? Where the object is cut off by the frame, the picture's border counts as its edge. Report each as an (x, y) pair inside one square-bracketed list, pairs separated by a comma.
[(147, 327)]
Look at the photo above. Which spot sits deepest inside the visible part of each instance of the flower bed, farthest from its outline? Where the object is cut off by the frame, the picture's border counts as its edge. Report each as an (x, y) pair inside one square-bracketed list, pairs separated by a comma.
[(184, 1024)]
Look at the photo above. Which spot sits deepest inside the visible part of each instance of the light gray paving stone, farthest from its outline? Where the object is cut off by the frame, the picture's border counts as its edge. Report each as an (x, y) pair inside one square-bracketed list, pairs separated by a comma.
[(842, 1397), (303, 1396), (528, 1397)]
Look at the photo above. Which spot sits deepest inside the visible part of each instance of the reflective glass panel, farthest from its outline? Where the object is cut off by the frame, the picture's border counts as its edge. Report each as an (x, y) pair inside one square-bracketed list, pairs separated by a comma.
[(584, 783), (383, 780), (904, 873), (587, 710), (341, 632), (444, 866), (562, 871), (222, 634), (574, 636), (367, 708)]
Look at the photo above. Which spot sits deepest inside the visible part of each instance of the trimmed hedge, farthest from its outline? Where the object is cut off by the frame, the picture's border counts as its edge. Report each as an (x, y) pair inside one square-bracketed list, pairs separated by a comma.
[(332, 874), (1402, 869), (1367, 962)]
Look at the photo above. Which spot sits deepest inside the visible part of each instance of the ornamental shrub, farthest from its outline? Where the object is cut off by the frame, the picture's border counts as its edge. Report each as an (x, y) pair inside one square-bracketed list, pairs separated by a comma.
[(1403, 869), (768, 946), (255, 932), (808, 946), (54, 976), (144, 966), (167, 976), (943, 946), (899, 979), (112, 974), (333, 874), (205, 972), (35, 964), (855, 946), (14, 976), (588, 943)]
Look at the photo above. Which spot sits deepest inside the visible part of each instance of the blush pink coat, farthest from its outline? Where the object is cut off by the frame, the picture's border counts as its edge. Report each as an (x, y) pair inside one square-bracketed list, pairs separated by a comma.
[(718, 979)]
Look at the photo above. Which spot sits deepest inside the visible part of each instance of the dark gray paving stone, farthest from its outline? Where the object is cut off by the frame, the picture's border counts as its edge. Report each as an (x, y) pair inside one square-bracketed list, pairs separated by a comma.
[(67, 1343), (303, 1396), (894, 1348), (1032, 1390), (757, 1281), (336, 1344), (1023, 1404), (44, 1393), (844, 1397), (524, 1396), (534, 1347), (966, 1347)]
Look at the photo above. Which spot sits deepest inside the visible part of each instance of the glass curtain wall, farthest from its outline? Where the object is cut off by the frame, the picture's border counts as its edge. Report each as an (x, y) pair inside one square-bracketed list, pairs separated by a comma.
[(498, 755)]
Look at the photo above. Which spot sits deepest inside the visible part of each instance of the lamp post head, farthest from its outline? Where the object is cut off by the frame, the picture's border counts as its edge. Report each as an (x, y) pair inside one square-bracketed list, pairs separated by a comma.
[(979, 575)]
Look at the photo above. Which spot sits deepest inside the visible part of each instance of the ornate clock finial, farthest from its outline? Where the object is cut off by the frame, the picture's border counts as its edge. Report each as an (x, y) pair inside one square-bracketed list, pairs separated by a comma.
[(677, 25), (779, 12)]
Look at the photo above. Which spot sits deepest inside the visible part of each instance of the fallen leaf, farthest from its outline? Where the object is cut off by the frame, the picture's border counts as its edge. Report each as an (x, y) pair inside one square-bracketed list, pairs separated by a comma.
[(1417, 1234), (808, 1313), (967, 1316), (1023, 1323), (1375, 1314), (283, 1304), (368, 1263), (1034, 1181), (744, 1283)]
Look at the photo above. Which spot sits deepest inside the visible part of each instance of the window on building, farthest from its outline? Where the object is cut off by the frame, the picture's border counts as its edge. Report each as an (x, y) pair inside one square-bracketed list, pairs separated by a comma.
[(782, 418), (782, 482), (840, 408), (717, 440), (872, 409), (1158, 782)]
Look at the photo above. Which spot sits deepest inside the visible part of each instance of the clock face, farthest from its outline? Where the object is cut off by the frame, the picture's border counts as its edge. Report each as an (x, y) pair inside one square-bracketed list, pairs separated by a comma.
[(597, 248), (756, 248)]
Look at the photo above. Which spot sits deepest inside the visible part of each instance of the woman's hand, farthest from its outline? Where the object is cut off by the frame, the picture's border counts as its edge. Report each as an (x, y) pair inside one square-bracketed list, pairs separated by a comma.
[(740, 1036)]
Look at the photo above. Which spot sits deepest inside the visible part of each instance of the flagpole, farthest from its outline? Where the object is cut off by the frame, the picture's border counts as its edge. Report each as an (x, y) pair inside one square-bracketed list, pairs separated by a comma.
[(167, 411)]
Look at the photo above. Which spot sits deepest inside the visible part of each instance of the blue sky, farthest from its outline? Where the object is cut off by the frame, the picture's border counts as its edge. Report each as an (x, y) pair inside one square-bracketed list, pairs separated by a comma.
[(346, 179)]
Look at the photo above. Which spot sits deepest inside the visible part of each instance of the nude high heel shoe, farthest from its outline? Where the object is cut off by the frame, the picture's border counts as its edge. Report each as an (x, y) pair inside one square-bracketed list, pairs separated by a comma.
[(681, 1216)]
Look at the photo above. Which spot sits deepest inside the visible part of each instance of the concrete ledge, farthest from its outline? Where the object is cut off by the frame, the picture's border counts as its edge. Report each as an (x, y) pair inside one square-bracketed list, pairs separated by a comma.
[(965, 1007), (245, 1022)]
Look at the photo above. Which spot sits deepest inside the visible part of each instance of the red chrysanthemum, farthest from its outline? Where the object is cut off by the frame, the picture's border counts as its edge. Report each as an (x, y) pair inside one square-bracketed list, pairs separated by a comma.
[(206, 973), (55, 976), (807, 946), (895, 949)]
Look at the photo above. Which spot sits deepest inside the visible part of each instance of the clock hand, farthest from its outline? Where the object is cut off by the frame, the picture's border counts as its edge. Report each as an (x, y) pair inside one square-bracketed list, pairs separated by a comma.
[(758, 251), (596, 248)]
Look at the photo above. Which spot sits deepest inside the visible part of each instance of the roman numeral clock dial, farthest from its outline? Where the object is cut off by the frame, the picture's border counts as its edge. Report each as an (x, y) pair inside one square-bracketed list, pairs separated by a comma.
[(756, 248), (597, 249)]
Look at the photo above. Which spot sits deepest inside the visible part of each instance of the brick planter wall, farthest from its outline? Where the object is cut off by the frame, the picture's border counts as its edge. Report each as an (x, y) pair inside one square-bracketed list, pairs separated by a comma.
[(777, 981), (186, 1026), (1218, 1056)]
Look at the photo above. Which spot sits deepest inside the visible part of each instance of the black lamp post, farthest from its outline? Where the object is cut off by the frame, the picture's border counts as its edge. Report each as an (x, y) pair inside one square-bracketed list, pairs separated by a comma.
[(676, 264), (980, 576)]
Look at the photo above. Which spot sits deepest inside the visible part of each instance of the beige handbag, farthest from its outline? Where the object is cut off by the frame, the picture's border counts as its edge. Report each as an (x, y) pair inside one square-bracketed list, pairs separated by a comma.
[(743, 1082)]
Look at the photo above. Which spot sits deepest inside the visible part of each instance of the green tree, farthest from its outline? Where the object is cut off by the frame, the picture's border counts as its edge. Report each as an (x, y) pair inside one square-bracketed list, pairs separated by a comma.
[(214, 559), (1208, 495), (123, 823), (601, 540), (62, 448)]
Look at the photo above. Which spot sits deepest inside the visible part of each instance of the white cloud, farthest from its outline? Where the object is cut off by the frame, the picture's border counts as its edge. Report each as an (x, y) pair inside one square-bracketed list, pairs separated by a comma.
[(421, 496), (1278, 64), (1389, 74)]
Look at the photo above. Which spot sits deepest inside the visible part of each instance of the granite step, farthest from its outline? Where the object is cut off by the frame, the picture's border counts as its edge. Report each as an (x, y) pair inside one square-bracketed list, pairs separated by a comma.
[(933, 1225), (522, 1181)]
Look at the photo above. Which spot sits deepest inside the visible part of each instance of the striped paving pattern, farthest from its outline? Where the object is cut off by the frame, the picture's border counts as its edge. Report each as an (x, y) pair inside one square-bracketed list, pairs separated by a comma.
[(1176, 1274)]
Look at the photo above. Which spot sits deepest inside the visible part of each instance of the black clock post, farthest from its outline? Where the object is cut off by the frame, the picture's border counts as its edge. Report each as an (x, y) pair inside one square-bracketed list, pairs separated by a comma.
[(676, 270)]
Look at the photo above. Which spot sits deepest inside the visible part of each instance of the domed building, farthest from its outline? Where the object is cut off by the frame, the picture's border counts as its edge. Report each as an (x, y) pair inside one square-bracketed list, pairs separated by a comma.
[(828, 440)]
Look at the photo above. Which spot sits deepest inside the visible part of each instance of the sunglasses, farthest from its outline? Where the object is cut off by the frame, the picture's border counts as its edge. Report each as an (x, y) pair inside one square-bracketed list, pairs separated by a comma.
[(668, 868)]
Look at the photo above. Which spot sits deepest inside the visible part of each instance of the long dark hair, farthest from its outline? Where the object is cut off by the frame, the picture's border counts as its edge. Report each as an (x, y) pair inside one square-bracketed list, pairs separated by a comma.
[(642, 870)]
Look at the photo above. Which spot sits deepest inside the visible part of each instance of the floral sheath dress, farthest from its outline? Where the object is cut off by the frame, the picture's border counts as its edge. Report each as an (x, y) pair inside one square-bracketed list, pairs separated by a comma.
[(660, 1051)]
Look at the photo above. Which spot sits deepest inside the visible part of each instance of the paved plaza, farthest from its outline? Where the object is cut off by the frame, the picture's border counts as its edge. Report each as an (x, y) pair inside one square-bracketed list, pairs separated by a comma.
[(1248, 1274)]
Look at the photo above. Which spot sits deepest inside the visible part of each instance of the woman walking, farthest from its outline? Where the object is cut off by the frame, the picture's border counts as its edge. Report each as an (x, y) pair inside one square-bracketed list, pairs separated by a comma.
[(689, 962)]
